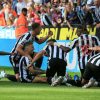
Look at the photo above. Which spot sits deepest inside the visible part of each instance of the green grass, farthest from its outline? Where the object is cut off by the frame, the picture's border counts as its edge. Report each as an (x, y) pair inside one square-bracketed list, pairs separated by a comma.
[(25, 91)]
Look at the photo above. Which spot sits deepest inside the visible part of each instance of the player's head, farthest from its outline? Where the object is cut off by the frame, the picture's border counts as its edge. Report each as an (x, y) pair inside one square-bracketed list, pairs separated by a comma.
[(51, 41), (36, 28), (82, 30), (24, 11), (29, 48)]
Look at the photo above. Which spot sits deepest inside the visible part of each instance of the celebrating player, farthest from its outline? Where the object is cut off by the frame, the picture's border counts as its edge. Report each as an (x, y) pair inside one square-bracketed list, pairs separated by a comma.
[(22, 41)]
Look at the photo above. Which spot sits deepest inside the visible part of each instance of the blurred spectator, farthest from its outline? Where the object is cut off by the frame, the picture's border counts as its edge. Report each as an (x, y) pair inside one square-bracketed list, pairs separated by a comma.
[(20, 5), (2, 20), (57, 19), (88, 18), (9, 11), (38, 1), (90, 2), (51, 12), (97, 12), (45, 17), (6, 11), (14, 2), (71, 15), (21, 24)]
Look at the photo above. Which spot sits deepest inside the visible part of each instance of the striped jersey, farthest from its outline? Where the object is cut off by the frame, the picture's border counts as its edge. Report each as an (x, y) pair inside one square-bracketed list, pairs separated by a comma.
[(95, 60), (54, 51), (23, 70), (23, 40), (82, 44), (97, 13)]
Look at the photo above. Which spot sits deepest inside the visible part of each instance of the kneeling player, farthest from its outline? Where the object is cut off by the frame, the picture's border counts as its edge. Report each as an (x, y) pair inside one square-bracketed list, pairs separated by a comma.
[(27, 74), (92, 70), (56, 62)]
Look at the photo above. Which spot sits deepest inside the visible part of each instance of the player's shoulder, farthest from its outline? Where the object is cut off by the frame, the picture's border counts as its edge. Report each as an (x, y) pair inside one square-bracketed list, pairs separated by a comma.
[(28, 33), (45, 47), (93, 36)]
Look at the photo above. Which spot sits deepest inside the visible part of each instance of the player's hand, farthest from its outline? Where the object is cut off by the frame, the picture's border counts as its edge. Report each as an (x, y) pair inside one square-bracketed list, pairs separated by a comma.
[(50, 33), (56, 44), (90, 48), (30, 65)]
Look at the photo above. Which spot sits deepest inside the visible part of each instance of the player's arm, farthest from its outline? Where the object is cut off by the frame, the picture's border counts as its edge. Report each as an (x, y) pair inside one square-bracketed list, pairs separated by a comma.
[(36, 71), (70, 47), (20, 47), (97, 48), (65, 49), (38, 55), (5, 53), (41, 40), (33, 70), (96, 40), (21, 51)]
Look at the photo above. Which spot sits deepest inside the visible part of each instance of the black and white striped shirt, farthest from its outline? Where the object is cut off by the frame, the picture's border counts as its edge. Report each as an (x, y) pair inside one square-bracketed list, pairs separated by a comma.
[(55, 52), (81, 44), (46, 20), (95, 60), (23, 70), (97, 13), (23, 40)]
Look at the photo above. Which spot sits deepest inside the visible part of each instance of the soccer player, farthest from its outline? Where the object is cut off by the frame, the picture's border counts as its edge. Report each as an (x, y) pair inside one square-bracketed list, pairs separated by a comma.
[(56, 62), (82, 43), (27, 74), (92, 69), (20, 44)]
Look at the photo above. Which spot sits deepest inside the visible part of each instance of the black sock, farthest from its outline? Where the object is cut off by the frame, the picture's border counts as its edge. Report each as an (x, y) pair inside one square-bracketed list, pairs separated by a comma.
[(11, 77), (74, 83)]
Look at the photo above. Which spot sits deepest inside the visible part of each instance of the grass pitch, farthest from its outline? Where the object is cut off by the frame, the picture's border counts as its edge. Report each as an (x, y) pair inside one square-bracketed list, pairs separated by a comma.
[(29, 91)]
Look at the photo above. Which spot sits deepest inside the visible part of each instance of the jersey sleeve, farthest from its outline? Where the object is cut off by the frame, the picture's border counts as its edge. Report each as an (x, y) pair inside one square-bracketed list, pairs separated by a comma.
[(73, 44), (45, 48), (24, 39), (96, 40), (36, 39), (27, 62)]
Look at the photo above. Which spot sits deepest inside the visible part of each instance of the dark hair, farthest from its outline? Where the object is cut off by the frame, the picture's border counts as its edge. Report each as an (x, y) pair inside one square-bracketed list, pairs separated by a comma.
[(51, 40), (24, 10), (35, 25), (83, 29)]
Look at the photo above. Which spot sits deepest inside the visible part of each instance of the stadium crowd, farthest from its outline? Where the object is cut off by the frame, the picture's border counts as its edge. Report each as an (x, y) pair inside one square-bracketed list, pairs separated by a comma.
[(37, 13), (51, 12)]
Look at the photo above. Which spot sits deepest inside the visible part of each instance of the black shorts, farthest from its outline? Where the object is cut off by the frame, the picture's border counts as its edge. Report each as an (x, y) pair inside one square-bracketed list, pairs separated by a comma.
[(92, 71), (56, 66), (15, 64)]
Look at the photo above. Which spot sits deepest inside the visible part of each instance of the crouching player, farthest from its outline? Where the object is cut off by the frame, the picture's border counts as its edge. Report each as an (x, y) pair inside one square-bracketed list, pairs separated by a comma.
[(27, 74), (92, 70)]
